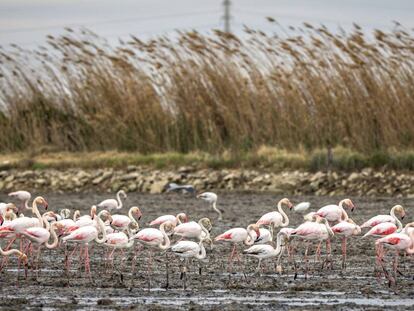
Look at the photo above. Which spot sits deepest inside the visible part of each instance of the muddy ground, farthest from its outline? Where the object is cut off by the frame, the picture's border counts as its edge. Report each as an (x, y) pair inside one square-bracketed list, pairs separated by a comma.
[(214, 289)]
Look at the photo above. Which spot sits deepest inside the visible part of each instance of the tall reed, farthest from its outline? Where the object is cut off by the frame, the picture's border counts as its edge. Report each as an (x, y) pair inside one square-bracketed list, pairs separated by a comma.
[(313, 89)]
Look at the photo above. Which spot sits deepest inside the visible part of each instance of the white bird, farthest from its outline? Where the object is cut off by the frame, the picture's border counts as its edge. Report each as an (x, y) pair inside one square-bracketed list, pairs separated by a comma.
[(211, 198), (301, 207), (194, 230), (23, 197), (110, 204), (265, 250)]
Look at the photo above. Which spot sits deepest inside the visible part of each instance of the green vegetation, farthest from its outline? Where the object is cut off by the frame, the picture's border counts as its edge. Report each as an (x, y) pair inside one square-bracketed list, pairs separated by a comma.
[(265, 158)]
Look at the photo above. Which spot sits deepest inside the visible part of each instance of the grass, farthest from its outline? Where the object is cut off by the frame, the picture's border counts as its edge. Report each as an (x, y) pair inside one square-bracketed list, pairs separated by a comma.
[(214, 94), (265, 158)]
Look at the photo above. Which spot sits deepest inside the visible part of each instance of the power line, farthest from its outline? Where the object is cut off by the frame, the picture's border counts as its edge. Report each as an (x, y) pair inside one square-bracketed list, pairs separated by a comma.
[(112, 21)]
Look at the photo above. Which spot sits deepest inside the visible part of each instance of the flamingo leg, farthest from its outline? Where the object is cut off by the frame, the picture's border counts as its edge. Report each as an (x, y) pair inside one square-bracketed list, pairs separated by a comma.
[(185, 274), (344, 253), (306, 260), (149, 269), (318, 252), (395, 265), (87, 262)]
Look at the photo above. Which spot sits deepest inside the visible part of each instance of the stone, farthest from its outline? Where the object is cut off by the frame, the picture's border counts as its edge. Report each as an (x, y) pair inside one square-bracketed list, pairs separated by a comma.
[(157, 187)]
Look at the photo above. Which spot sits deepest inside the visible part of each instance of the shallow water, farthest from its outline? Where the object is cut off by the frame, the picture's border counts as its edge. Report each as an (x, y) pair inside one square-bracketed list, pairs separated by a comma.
[(356, 288)]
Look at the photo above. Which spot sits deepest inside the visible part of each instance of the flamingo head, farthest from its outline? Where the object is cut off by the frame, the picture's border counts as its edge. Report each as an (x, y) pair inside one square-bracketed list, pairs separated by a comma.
[(206, 222), (168, 226), (400, 210), (51, 215), (123, 193), (93, 211), (255, 228), (136, 211), (134, 226), (65, 213), (11, 207), (286, 202), (284, 238), (58, 226), (348, 203), (210, 197), (23, 258), (182, 217), (42, 201)]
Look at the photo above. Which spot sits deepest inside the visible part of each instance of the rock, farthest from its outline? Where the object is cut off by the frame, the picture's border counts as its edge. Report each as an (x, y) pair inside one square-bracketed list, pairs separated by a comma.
[(102, 178), (158, 187), (353, 176), (129, 176)]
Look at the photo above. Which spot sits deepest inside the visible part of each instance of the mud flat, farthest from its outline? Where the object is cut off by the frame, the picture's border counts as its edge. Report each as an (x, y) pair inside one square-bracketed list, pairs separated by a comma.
[(124, 289)]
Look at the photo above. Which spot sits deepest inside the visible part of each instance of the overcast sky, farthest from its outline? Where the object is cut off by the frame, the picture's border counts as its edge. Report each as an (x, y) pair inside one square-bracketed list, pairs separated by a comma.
[(26, 22)]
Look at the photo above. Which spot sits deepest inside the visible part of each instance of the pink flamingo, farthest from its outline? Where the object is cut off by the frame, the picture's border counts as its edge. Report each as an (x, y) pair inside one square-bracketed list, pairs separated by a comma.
[(154, 238), (194, 230), (336, 213), (176, 220), (122, 222), (276, 219), (313, 231), (238, 236), (379, 219), (85, 220), (86, 234), (23, 197), (111, 204), (345, 229), (403, 241)]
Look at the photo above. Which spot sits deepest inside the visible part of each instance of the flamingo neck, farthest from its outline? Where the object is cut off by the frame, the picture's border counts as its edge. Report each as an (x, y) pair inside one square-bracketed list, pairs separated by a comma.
[(250, 238), (278, 249), (166, 241), (26, 204), (35, 211), (344, 214), (285, 221), (101, 226), (220, 217), (76, 215), (11, 252), (399, 224), (55, 239), (118, 198), (328, 228), (203, 230), (202, 253)]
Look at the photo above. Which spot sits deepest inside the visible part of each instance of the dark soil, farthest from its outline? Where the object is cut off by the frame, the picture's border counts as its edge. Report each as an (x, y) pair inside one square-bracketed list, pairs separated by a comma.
[(119, 289)]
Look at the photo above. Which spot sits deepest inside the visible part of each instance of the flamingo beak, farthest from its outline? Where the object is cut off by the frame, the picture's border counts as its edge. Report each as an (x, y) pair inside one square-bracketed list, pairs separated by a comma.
[(46, 205), (257, 233), (402, 216), (352, 208), (1, 220)]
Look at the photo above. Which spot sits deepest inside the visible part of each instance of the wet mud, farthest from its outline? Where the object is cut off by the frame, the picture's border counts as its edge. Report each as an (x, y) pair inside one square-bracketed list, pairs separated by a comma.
[(137, 288)]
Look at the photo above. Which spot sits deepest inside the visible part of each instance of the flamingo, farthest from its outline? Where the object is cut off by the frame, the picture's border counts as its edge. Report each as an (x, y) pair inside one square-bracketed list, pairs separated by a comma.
[(119, 240), (276, 219), (372, 222), (86, 234), (383, 229), (64, 214), (301, 207), (237, 236), (189, 249), (313, 231), (264, 237), (121, 222), (336, 213), (192, 229), (85, 220), (111, 204), (264, 251), (211, 198), (154, 238), (23, 197), (403, 241), (346, 229), (176, 220), (4, 207)]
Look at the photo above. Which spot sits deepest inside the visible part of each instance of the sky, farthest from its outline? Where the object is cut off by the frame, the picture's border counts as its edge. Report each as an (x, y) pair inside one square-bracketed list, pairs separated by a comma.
[(27, 22)]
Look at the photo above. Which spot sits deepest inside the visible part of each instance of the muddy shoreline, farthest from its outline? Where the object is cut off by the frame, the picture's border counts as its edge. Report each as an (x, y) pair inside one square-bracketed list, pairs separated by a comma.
[(120, 289)]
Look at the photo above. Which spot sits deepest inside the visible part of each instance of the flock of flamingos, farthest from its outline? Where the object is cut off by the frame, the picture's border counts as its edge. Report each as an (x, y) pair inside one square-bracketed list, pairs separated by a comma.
[(29, 233)]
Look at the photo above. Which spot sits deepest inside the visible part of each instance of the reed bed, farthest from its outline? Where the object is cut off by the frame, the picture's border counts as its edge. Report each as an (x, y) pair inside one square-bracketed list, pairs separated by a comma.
[(311, 90)]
